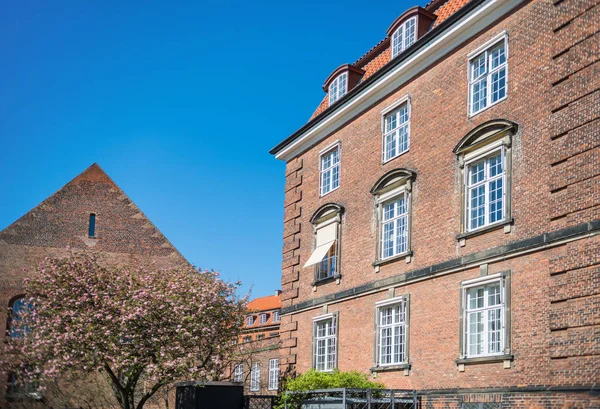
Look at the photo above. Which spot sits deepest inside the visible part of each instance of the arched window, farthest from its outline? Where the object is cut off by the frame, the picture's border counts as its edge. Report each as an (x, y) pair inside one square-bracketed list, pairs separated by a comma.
[(404, 36), (338, 88), (326, 230), (485, 159), (18, 306), (393, 200)]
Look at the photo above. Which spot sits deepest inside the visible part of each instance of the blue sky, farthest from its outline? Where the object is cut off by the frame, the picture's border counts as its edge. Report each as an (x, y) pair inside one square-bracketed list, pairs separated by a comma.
[(179, 102)]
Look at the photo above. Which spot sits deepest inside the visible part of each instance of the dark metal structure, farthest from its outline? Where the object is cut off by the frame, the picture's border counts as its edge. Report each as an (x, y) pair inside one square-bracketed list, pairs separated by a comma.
[(209, 395), (348, 398)]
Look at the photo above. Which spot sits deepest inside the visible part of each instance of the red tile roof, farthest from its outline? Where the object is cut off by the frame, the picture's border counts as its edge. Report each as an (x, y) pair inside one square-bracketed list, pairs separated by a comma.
[(271, 302), (378, 56)]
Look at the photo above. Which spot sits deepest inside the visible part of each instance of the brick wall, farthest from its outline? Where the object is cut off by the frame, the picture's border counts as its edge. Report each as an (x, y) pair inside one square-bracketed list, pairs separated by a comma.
[(554, 97)]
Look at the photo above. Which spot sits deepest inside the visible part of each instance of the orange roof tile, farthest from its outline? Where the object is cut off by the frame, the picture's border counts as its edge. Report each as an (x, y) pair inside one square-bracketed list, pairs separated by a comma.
[(447, 9), (372, 64), (271, 302)]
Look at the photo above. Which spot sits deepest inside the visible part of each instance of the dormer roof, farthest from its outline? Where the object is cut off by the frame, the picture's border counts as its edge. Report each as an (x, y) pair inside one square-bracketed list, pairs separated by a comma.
[(380, 55)]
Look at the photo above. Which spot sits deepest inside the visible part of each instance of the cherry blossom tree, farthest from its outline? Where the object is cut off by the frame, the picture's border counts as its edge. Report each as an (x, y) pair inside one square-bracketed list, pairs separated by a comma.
[(131, 323)]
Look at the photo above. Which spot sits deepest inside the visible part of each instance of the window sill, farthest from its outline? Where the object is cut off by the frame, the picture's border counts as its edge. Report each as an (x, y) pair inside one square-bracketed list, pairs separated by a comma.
[(484, 359), (326, 280), (486, 229), (390, 368), (493, 104), (393, 259), (384, 162)]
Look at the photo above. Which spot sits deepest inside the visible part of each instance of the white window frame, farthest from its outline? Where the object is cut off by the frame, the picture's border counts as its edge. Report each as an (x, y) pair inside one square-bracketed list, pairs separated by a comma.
[(483, 282), (476, 157), (276, 316), (395, 109), (255, 377), (402, 29), (273, 374), (329, 171), (330, 343), (249, 320), (338, 88), (238, 373), (474, 55), (382, 200), (262, 318), (403, 302)]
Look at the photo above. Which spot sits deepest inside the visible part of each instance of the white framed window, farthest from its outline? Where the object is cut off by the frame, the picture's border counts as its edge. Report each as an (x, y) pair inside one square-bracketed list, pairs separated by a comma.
[(404, 36), (392, 331), (394, 225), (484, 316), (330, 170), (325, 342), (276, 317), (396, 131), (338, 87), (485, 182), (273, 374), (255, 377), (327, 230), (262, 318), (238, 373), (249, 320), (488, 73)]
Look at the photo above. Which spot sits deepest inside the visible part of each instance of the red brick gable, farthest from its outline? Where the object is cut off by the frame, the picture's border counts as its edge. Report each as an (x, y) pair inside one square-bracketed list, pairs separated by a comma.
[(380, 54), (62, 219)]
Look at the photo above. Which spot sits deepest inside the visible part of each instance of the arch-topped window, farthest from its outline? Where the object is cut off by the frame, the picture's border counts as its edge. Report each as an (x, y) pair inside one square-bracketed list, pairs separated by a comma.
[(404, 36), (326, 223), (18, 307), (338, 87), (485, 160), (393, 200)]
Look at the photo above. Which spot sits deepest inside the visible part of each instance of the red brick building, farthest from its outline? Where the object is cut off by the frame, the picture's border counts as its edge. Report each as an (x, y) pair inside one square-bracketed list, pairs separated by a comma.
[(90, 213), (258, 366), (442, 209)]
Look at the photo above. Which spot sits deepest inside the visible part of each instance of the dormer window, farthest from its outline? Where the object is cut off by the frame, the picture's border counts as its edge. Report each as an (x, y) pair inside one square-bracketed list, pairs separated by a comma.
[(408, 28), (338, 88), (404, 36)]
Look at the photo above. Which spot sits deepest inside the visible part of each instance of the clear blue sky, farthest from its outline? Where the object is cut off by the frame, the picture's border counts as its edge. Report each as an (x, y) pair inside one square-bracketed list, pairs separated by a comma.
[(180, 103)]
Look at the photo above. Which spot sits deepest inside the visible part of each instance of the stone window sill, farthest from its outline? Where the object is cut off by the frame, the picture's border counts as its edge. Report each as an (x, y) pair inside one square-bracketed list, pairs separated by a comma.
[(334, 277), (390, 368), (484, 359), (486, 229), (393, 259)]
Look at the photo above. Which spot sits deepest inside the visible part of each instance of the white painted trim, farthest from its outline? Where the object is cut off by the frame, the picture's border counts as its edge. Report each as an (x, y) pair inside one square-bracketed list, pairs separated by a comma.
[(329, 147), (391, 194), (323, 317), (391, 301), (474, 282), (395, 105), (463, 30), (483, 151), (488, 44)]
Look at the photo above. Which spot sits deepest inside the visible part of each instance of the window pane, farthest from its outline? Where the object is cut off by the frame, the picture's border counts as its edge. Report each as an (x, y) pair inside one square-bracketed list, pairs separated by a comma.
[(409, 33), (479, 95), (478, 67), (475, 333), (499, 85), (476, 173), (497, 56), (496, 201), (477, 216)]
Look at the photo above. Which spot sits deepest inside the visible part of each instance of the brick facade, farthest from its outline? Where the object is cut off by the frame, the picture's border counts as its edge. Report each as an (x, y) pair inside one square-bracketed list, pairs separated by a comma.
[(259, 343), (122, 233), (551, 249)]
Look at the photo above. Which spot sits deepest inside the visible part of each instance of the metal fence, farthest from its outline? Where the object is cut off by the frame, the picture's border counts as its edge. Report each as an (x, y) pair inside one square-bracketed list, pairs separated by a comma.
[(259, 402), (346, 398)]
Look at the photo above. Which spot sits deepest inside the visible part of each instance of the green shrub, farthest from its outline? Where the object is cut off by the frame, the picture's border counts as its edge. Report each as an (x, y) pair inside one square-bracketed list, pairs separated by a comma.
[(322, 380)]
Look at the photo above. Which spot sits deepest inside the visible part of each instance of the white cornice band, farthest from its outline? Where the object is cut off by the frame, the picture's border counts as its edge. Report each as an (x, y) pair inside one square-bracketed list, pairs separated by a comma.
[(471, 24)]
